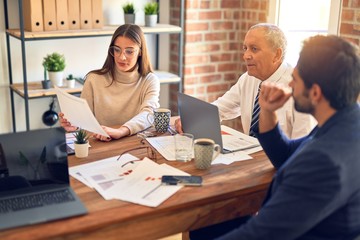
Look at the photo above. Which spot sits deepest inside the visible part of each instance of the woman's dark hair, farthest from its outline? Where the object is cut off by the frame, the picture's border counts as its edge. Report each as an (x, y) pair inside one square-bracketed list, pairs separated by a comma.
[(332, 63), (135, 34)]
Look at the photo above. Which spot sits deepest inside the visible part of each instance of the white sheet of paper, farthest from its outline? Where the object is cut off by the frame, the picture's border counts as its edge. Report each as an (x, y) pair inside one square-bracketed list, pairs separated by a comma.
[(251, 145), (143, 185), (103, 177), (165, 145), (137, 182), (78, 171), (78, 112), (229, 158)]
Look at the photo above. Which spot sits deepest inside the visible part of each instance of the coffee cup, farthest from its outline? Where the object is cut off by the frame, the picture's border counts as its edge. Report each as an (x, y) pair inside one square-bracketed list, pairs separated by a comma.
[(205, 151), (160, 119)]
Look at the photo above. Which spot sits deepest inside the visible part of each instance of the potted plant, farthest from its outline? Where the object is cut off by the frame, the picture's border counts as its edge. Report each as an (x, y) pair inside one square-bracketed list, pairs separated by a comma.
[(151, 14), (70, 81), (46, 83), (55, 64), (81, 143), (129, 13)]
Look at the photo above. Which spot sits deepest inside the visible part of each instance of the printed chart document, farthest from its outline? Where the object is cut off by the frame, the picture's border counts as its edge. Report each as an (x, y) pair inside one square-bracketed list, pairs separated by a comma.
[(128, 179), (78, 112)]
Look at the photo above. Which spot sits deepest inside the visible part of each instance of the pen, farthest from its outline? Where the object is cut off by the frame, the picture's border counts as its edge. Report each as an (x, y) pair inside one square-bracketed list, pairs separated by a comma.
[(153, 190), (172, 131), (244, 148)]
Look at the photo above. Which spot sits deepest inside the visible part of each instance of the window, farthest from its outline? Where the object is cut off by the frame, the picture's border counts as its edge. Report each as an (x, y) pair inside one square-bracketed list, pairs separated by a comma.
[(300, 19)]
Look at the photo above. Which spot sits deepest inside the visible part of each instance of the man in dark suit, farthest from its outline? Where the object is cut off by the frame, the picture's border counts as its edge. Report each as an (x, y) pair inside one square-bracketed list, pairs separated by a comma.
[(315, 193)]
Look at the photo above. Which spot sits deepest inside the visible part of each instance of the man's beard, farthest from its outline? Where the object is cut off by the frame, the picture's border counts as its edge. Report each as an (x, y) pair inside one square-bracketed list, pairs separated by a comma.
[(305, 106)]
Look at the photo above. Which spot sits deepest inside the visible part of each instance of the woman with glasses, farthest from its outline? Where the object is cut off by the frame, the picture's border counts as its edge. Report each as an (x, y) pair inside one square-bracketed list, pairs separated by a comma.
[(125, 89)]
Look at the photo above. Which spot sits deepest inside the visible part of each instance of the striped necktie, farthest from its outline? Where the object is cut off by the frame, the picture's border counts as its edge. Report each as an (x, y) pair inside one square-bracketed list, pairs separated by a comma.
[(255, 115)]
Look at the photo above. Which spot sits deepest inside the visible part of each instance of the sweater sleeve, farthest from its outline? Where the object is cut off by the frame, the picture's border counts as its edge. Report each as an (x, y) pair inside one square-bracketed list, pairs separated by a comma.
[(87, 92), (149, 101)]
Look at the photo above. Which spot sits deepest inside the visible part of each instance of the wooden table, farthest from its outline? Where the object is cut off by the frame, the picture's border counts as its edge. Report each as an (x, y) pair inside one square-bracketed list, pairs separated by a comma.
[(228, 191)]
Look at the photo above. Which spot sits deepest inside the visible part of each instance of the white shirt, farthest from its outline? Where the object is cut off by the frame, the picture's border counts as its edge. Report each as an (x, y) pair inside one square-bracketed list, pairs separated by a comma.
[(239, 101)]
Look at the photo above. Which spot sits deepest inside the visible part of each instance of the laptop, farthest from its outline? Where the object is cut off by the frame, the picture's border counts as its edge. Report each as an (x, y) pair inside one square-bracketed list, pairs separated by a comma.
[(202, 119), (34, 179)]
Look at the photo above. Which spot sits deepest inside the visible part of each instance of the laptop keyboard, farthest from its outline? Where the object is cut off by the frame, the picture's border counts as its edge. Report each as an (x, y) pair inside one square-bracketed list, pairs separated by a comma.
[(35, 200)]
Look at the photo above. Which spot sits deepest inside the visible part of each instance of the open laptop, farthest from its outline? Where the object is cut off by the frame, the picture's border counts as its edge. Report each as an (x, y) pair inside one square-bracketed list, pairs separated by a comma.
[(202, 119), (34, 178)]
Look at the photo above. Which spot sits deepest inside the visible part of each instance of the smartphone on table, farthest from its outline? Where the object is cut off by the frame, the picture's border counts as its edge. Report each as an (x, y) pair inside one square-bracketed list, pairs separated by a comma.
[(181, 180)]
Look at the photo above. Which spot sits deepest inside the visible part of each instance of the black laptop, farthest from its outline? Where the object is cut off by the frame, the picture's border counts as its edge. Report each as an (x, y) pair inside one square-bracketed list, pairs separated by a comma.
[(34, 179)]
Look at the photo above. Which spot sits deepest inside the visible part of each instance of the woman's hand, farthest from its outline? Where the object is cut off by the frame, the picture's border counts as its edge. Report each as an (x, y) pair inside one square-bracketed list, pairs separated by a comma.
[(66, 124), (114, 133)]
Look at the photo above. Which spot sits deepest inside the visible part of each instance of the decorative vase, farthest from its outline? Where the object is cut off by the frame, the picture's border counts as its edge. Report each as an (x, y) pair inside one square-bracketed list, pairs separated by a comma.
[(56, 78), (81, 150), (129, 18), (151, 20)]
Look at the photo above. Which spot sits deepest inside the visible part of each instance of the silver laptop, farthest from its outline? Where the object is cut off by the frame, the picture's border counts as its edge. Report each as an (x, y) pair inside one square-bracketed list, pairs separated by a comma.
[(34, 179), (200, 119)]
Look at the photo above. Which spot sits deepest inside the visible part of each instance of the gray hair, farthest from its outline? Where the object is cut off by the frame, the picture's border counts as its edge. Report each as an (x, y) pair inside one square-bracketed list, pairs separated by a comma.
[(274, 35)]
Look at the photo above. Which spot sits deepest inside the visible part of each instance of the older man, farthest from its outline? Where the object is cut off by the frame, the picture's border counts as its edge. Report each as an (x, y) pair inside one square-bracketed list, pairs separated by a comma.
[(264, 51), (315, 193)]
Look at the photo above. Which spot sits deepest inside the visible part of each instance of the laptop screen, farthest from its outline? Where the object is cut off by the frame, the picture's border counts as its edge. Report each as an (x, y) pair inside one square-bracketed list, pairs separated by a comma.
[(199, 118), (32, 159)]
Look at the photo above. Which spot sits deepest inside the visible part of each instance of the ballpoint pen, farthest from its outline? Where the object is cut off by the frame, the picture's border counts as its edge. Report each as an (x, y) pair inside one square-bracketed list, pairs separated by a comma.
[(171, 130)]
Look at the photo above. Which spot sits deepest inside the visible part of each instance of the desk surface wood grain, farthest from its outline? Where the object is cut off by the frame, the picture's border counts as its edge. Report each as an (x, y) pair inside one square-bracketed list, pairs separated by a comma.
[(228, 191)]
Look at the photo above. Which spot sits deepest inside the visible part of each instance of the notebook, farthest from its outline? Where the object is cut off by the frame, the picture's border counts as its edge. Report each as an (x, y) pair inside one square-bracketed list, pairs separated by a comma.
[(202, 119), (34, 179)]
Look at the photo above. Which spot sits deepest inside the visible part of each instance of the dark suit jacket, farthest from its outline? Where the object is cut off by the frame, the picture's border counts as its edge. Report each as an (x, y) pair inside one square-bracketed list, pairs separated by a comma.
[(315, 193)]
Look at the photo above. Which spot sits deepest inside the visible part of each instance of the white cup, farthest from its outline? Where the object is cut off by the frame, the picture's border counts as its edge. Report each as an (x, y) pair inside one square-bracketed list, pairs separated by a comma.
[(205, 151), (184, 146)]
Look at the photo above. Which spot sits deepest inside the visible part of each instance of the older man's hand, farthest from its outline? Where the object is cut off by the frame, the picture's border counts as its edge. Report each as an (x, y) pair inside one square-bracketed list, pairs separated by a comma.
[(178, 126)]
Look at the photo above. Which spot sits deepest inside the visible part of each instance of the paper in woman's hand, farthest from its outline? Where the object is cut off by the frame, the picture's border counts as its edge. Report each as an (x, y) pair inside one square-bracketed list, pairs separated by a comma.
[(78, 113)]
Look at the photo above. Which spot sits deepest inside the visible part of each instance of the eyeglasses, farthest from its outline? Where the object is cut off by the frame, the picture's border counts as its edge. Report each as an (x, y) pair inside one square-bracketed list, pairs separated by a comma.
[(150, 154), (116, 51)]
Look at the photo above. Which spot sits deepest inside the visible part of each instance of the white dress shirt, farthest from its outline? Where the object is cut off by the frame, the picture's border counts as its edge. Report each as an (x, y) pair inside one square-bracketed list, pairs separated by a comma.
[(239, 101)]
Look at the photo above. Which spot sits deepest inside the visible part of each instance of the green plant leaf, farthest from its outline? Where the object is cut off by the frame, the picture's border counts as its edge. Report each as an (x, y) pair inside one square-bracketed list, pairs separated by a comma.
[(128, 8), (54, 62), (81, 136), (151, 8), (23, 159), (42, 158)]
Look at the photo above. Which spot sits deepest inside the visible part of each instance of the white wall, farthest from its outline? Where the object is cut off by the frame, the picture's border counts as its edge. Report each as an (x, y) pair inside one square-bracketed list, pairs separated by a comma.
[(82, 55)]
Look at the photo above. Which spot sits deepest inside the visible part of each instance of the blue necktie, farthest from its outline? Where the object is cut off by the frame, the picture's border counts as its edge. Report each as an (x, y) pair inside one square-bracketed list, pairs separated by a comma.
[(255, 115)]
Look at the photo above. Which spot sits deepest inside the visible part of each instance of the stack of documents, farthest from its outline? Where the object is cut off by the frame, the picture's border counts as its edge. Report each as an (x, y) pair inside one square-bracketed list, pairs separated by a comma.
[(239, 143), (128, 179)]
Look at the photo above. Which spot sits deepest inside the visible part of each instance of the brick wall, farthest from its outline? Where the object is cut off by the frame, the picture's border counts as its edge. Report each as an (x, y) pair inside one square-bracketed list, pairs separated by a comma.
[(214, 31), (350, 21)]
